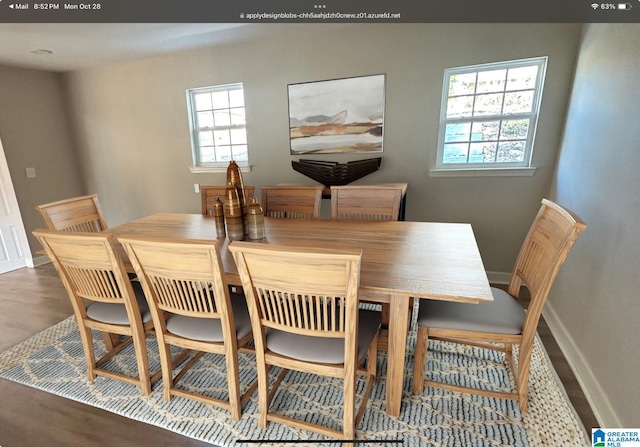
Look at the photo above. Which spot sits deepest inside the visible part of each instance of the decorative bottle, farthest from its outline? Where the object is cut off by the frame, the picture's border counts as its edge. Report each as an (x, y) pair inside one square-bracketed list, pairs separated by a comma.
[(233, 213), (218, 215), (234, 175), (255, 219)]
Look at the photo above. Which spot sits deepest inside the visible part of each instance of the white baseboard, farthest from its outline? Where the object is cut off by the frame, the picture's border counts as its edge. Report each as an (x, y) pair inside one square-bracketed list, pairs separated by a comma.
[(40, 260), (499, 277), (597, 398)]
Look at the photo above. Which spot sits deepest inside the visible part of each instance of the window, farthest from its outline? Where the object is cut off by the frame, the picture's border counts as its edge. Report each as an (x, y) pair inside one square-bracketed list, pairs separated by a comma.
[(489, 114), (218, 126)]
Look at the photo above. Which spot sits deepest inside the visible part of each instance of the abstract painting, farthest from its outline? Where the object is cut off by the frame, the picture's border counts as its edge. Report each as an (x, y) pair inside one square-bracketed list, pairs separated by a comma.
[(338, 115)]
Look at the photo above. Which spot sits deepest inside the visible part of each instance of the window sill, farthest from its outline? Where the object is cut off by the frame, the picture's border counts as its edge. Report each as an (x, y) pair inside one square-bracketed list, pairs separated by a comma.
[(216, 169), (490, 172)]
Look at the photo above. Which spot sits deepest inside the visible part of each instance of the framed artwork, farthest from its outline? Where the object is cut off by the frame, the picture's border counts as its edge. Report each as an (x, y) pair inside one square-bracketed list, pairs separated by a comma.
[(338, 115)]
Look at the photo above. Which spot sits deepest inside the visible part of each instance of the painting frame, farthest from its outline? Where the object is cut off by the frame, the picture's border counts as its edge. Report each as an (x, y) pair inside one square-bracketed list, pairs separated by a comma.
[(343, 115)]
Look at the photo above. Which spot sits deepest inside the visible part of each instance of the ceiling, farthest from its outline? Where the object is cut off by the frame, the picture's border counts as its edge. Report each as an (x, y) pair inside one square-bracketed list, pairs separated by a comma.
[(82, 45)]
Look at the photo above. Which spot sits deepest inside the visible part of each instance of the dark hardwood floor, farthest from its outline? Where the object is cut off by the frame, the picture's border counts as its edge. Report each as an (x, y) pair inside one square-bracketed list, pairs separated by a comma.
[(32, 300)]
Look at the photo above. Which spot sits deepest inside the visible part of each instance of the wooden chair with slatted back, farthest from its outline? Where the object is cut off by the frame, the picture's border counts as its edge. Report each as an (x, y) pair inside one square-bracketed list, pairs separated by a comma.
[(368, 202), (75, 214), (192, 308), (92, 272), (503, 321), (303, 305), (208, 196), (365, 202), (291, 201)]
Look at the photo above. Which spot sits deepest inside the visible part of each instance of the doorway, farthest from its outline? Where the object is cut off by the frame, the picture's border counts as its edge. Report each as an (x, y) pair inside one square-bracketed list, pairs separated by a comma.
[(15, 252)]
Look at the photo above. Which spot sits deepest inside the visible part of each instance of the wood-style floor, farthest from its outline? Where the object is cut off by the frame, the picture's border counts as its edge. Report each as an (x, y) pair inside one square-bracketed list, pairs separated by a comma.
[(32, 300)]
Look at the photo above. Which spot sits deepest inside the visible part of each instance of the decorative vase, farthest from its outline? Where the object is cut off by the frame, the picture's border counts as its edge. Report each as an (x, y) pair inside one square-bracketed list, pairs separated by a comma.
[(218, 215), (255, 219), (234, 175), (233, 213)]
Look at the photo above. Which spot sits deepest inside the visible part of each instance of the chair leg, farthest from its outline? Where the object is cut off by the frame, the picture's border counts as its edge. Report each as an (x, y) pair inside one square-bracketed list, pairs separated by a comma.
[(233, 382), (263, 390), (385, 315), (522, 374), (372, 362), (89, 351), (140, 347), (522, 400), (110, 340), (167, 369), (372, 358), (420, 359), (523, 386), (349, 393), (508, 354)]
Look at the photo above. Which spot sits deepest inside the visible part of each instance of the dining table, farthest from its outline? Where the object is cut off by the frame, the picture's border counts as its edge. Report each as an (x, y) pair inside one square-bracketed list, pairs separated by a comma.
[(401, 260)]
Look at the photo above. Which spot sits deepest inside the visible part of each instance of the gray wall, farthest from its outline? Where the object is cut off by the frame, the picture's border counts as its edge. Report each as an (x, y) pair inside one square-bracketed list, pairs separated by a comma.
[(133, 136), (594, 304), (35, 132)]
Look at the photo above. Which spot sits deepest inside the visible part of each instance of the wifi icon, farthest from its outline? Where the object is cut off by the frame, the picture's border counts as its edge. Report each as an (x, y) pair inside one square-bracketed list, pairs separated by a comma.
[(594, 5)]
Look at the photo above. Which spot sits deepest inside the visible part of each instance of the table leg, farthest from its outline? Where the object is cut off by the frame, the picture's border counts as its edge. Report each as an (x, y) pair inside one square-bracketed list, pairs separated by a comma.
[(398, 325), (403, 207)]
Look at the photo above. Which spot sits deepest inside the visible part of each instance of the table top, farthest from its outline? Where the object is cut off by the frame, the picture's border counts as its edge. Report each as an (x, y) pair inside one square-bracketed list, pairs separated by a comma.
[(415, 259)]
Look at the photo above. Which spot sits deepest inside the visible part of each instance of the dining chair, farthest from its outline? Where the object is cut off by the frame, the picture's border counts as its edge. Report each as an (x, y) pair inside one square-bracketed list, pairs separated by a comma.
[(192, 308), (366, 202), (502, 323), (208, 196), (75, 214), (292, 201), (303, 305), (93, 273)]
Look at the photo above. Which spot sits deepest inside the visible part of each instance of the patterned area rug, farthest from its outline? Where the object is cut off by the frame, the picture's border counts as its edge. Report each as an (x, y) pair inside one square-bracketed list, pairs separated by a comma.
[(53, 361)]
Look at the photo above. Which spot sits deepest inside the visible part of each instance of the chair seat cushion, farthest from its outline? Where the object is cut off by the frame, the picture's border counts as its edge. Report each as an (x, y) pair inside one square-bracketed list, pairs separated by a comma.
[(210, 329), (322, 349), (116, 313), (502, 316)]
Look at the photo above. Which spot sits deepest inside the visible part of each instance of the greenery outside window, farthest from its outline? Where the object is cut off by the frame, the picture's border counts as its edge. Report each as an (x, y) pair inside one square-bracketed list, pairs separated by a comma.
[(218, 126), (489, 114)]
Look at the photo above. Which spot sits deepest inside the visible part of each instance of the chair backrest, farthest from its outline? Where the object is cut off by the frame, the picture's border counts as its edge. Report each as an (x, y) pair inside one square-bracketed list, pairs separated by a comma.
[(180, 276), (76, 214), (365, 202), (90, 269), (291, 201), (305, 291), (208, 196), (546, 246)]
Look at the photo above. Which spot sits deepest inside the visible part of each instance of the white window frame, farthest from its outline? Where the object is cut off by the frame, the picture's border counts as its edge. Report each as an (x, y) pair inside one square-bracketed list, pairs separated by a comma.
[(218, 166), (491, 168)]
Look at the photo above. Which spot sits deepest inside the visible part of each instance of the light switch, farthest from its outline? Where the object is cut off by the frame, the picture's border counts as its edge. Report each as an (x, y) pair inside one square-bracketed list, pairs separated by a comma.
[(31, 172), (196, 188)]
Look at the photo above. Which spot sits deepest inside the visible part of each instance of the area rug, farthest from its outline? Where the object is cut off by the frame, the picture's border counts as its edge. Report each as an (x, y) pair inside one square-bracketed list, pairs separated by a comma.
[(53, 361)]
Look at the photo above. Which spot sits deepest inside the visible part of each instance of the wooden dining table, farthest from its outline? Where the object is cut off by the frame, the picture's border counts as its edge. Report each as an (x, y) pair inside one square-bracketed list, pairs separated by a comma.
[(400, 260)]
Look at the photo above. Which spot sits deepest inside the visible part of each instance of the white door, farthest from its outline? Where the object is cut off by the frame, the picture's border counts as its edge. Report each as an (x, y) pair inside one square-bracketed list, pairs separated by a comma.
[(14, 246)]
